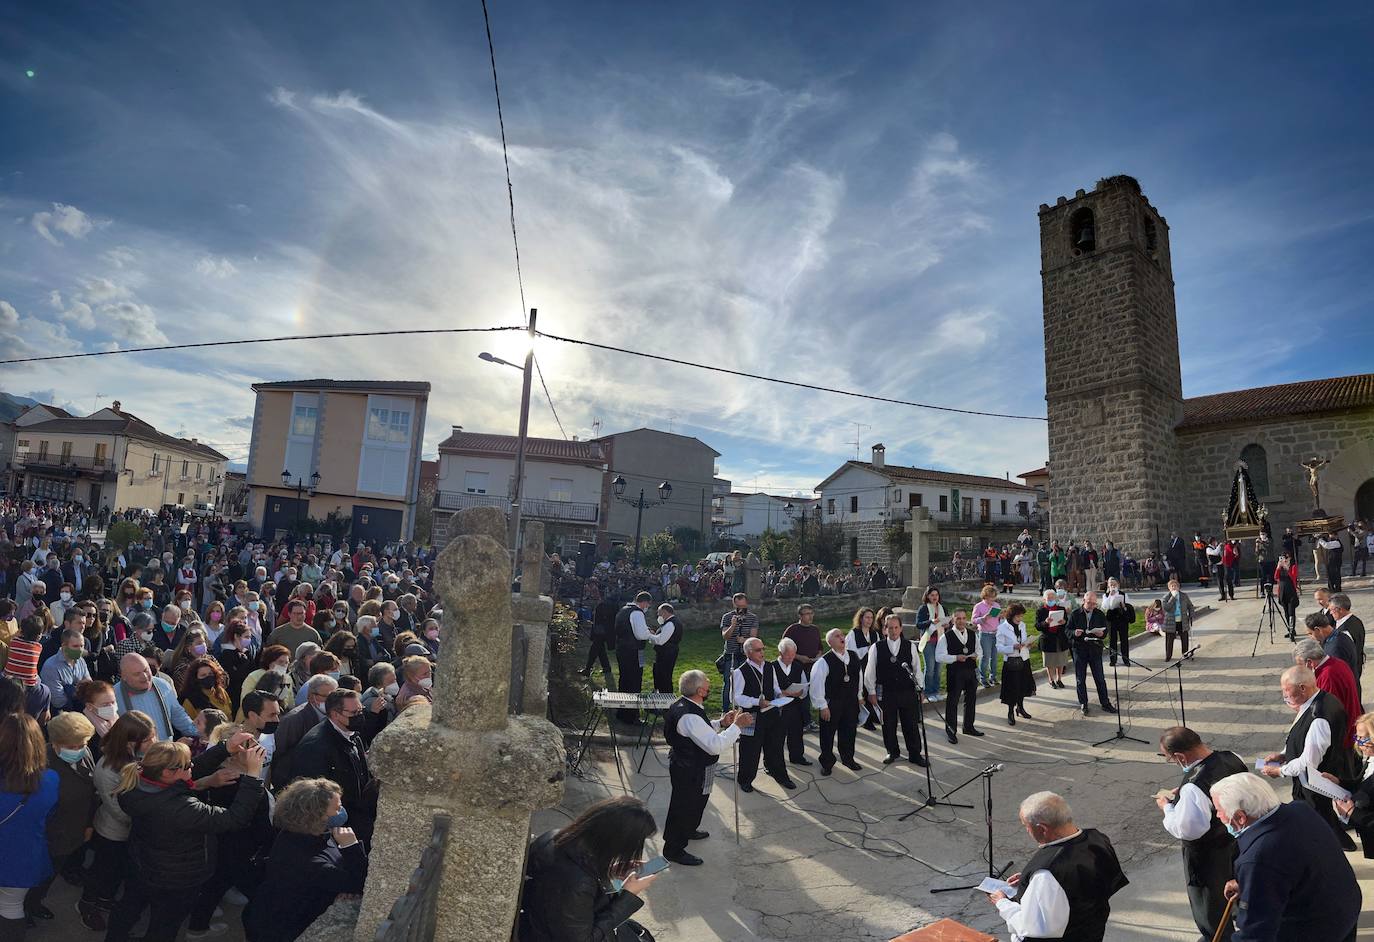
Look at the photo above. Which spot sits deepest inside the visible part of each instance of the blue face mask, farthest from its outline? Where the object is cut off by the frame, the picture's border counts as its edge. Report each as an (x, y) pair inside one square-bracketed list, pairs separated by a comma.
[(72, 756), (146, 603), (1232, 831), (335, 675), (337, 820)]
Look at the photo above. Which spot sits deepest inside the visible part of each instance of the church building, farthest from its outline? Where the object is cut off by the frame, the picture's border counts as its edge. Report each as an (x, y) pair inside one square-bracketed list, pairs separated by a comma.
[(1130, 458)]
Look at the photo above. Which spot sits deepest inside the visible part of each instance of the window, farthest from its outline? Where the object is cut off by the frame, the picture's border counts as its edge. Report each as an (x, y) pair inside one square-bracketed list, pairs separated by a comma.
[(854, 549), (181, 497), (386, 465), (200, 471), (43, 450), (303, 420), (985, 509), (1022, 508), (966, 509), (1082, 232), (66, 452), (157, 463), (897, 497), (475, 482), (560, 489), (830, 505), (185, 468), (1257, 462), (854, 504), (944, 503), (1004, 508), (388, 425), (100, 454), (913, 499), (1151, 236)]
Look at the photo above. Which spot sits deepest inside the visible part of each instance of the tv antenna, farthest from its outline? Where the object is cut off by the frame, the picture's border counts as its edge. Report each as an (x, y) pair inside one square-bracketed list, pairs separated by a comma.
[(859, 428)]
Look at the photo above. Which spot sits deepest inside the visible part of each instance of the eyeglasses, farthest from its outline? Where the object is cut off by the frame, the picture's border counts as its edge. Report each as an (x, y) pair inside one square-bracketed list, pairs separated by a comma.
[(1363, 740)]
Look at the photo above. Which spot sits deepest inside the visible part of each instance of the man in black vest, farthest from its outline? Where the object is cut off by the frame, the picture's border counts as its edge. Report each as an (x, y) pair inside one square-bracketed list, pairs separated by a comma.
[(957, 649), (789, 673), (1087, 627), (1063, 890), (665, 637), (694, 746), (1209, 852), (603, 632), (835, 696), (631, 631), (756, 692), (892, 669), (1316, 744)]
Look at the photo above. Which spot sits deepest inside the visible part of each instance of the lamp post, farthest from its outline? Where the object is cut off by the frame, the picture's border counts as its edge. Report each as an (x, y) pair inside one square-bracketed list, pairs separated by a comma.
[(518, 488), (665, 491), (300, 487), (789, 508)]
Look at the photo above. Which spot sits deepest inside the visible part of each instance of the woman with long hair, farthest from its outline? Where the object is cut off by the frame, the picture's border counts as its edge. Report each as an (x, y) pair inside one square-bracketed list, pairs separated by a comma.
[(930, 621), (204, 687), (194, 644), (1288, 590), (126, 598), (314, 858), (275, 659), (237, 657), (580, 880), (28, 794), (1018, 681), (130, 736), (863, 634), (300, 670), (98, 706), (172, 836)]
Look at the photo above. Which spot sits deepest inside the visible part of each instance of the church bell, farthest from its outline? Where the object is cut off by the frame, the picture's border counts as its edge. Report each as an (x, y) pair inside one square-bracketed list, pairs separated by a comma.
[(1086, 238)]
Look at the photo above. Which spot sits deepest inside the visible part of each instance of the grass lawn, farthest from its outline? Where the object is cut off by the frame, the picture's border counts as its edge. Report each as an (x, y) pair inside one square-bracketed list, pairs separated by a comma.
[(699, 649)]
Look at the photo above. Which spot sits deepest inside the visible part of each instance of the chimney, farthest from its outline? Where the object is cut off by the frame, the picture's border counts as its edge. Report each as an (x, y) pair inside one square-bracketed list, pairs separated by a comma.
[(879, 456), (115, 405), (195, 440), (457, 430)]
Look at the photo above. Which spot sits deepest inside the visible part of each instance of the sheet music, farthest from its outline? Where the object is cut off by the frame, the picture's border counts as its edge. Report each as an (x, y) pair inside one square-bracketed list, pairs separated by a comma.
[(993, 885), (1322, 786)]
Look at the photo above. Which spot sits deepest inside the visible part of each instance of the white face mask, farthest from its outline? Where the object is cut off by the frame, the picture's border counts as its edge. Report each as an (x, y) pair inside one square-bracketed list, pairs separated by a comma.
[(107, 712), (427, 682), (662, 620), (65, 596), (393, 688)]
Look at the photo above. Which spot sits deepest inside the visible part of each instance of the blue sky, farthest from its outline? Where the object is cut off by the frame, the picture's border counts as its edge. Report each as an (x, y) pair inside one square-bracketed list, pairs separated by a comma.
[(840, 193)]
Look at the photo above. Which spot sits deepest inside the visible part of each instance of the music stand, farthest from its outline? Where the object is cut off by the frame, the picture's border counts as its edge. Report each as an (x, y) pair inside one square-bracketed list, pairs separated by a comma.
[(1120, 728), (986, 775), (929, 800), (1186, 656)]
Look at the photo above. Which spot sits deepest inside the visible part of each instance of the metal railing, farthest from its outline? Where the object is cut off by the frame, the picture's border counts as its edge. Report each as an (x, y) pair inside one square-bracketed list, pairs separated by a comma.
[(77, 462), (530, 507), (412, 916)]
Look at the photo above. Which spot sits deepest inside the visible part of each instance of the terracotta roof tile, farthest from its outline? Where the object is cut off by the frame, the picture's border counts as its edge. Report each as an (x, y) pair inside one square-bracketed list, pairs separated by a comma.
[(1267, 402), (503, 446), (904, 473)]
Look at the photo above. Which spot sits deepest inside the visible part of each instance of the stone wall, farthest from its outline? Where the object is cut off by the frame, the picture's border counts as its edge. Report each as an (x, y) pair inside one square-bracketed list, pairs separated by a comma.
[(872, 548), (785, 610), (1112, 378), (1209, 455)]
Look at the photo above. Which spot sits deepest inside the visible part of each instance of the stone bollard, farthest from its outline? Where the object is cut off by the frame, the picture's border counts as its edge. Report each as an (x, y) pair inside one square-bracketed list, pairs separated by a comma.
[(465, 756)]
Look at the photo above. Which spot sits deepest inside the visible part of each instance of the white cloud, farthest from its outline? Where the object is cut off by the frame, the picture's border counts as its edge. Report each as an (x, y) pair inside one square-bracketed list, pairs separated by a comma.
[(131, 324), (121, 256), (80, 314), (212, 267), (61, 220), (55, 299), (100, 290), (9, 317), (282, 97)]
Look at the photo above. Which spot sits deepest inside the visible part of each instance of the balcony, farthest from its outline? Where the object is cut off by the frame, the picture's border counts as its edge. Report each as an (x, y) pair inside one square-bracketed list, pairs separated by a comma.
[(532, 508), (67, 465)]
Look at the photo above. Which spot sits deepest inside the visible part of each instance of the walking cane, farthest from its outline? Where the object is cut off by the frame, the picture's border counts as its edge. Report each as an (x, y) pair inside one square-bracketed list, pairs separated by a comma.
[(735, 756), (1225, 918)]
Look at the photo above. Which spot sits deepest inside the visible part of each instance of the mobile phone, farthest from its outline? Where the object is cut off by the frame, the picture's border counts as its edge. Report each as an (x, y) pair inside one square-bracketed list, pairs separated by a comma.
[(657, 865)]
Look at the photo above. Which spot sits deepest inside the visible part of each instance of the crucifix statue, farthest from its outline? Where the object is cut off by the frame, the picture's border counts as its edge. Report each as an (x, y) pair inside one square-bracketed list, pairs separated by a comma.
[(1312, 466)]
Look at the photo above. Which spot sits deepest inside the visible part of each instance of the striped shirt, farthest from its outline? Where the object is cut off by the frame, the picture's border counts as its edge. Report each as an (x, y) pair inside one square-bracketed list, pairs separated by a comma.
[(748, 621)]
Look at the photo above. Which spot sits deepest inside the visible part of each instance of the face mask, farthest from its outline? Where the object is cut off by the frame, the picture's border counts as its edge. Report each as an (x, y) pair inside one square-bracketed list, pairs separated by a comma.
[(145, 636), (72, 756), (617, 884), (145, 603), (355, 723), (330, 624), (374, 631), (393, 688), (216, 616), (77, 559), (269, 728), (279, 669), (73, 654), (1231, 830), (206, 683), (185, 605), (65, 596), (427, 683), (334, 674), (433, 633), (338, 819), (198, 649), (253, 606), (662, 621), (107, 712)]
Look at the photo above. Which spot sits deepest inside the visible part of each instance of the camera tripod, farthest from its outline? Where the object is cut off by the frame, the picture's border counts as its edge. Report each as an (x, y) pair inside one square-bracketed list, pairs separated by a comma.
[(1269, 613)]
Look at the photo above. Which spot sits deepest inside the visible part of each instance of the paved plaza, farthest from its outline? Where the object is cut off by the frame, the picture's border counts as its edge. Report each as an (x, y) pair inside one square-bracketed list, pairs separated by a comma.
[(834, 861)]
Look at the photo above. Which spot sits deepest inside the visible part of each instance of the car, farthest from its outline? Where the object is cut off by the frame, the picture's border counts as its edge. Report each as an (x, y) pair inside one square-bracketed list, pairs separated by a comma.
[(202, 510)]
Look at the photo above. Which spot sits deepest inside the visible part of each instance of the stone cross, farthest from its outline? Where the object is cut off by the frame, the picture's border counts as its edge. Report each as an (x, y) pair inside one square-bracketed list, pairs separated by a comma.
[(753, 578), (465, 756), (922, 530)]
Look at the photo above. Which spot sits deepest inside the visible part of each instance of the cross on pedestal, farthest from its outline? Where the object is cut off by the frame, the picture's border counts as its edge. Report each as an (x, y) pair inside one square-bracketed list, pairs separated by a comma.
[(922, 530)]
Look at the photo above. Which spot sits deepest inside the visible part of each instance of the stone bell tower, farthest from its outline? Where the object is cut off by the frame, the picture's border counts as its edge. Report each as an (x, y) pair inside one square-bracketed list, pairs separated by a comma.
[(1113, 390)]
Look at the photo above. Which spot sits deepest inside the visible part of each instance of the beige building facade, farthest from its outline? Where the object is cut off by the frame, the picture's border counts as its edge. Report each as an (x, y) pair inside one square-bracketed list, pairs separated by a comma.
[(351, 447)]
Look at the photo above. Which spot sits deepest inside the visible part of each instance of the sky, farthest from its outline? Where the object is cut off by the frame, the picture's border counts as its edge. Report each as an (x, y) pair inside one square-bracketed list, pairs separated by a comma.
[(839, 194)]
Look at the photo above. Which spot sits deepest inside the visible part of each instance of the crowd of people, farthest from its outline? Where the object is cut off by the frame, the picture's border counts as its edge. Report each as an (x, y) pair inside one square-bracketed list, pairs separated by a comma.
[(185, 720)]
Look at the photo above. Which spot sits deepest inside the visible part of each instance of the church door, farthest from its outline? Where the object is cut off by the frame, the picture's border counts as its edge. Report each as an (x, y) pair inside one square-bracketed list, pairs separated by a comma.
[(1364, 501)]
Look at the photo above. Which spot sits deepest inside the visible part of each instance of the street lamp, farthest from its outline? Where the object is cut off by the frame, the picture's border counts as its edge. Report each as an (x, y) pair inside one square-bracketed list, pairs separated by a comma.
[(790, 509), (300, 487), (665, 491), (522, 437)]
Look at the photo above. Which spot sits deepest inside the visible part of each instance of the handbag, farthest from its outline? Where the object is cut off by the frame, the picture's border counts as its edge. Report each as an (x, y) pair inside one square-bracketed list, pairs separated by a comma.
[(631, 931), (723, 662)]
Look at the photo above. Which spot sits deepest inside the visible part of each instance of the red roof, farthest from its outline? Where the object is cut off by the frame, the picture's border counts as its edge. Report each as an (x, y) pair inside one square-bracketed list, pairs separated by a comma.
[(1268, 402), (503, 446), (904, 473)]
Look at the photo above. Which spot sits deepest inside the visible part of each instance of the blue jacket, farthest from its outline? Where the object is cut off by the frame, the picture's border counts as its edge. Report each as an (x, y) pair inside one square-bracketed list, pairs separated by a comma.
[(1296, 884), (25, 837)]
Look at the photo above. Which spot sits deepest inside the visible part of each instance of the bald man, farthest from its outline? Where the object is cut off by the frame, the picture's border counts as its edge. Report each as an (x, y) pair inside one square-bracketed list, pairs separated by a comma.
[(140, 689)]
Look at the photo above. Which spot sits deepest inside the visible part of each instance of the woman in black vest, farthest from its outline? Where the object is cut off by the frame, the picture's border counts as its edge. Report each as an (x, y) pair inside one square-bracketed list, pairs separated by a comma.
[(1018, 682), (863, 634)]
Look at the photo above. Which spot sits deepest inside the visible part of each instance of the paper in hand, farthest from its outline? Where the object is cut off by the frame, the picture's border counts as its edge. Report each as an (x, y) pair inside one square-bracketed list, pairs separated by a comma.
[(993, 885), (1261, 763), (1323, 786), (794, 691)]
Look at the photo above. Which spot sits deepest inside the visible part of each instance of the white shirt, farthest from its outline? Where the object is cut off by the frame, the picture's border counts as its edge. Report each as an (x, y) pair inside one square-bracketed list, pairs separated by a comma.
[(737, 695), (1043, 906), (942, 655), (638, 625), (782, 683), (1190, 816), (707, 735), (819, 672), (1007, 639), (852, 642), (1314, 746), (664, 633), (870, 683)]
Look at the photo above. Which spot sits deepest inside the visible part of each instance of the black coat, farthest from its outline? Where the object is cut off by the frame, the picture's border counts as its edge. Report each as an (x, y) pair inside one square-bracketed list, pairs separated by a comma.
[(325, 753), (295, 724), (304, 874), (566, 901), (172, 844)]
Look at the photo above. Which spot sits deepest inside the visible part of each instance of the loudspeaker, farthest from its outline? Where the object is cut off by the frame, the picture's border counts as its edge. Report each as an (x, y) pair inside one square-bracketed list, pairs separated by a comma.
[(586, 558)]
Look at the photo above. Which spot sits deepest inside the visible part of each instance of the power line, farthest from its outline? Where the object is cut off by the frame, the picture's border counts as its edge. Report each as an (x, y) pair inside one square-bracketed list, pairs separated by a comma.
[(540, 371), (788, 382), (231, 343), (505, 156)]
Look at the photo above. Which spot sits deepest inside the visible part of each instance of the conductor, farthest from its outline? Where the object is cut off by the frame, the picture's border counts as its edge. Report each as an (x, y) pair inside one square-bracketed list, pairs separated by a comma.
[(694, 746)]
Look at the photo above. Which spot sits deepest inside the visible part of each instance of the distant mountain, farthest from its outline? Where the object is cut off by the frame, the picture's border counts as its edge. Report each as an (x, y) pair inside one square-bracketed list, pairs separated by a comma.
[(12, 406)]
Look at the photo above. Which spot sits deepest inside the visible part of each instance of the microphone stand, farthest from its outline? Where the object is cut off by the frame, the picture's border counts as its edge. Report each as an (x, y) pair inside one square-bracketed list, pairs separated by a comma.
[(928, 799), (1185, 656), (1120, 729), (986, 775)]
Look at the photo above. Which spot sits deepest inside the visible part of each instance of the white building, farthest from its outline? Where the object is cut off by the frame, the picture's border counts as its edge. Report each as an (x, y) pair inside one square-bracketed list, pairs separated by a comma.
[(867, 497), (746, 516), (562, 487)]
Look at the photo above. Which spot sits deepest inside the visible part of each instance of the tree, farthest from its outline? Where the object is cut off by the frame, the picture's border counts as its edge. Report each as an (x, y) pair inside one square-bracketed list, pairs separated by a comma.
[(897, 540), (826, 544), (658, 548), (689, 539), (775, 547), (123, 532)]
